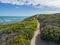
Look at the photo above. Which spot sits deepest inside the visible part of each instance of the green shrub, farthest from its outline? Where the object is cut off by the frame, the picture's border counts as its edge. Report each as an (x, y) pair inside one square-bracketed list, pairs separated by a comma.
[(50, 32)]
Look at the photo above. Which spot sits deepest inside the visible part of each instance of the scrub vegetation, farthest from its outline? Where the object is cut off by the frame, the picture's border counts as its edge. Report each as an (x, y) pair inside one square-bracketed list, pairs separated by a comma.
[(24, 29), (50, 26)]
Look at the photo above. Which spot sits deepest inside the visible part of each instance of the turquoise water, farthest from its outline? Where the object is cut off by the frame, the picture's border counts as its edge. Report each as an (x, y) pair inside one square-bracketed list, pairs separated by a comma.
[(11, 19)]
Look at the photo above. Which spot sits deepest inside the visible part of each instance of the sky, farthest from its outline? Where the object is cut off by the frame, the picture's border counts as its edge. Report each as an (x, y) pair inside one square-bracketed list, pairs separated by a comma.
[(28, 7)]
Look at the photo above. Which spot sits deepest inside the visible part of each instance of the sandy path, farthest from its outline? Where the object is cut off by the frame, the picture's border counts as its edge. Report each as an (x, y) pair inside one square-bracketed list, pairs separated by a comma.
[(37, 32)]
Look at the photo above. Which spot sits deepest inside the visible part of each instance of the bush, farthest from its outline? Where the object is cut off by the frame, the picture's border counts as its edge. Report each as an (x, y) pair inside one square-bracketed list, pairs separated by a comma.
[(50, 32)]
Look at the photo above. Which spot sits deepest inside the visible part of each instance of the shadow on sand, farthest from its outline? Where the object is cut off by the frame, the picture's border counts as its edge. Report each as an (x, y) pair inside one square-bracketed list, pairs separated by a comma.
[(39, 41)]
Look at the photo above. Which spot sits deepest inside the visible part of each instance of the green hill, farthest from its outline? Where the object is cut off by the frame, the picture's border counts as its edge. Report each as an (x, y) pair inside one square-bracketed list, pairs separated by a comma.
[(50, 26)]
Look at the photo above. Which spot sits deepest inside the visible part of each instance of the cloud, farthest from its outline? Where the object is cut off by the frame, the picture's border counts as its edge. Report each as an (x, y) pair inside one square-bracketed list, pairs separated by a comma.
[(35, 3), (48, 12)]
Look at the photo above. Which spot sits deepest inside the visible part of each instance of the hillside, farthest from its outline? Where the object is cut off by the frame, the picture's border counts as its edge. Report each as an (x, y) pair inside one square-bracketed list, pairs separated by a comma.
[(21, 33), (49, 26)]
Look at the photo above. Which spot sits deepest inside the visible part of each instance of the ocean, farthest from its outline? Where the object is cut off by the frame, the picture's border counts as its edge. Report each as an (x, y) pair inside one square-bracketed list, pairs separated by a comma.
[(11, 19)]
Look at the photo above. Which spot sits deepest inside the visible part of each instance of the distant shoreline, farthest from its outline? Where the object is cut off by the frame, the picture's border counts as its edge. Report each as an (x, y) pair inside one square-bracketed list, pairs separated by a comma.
[(11, 19)]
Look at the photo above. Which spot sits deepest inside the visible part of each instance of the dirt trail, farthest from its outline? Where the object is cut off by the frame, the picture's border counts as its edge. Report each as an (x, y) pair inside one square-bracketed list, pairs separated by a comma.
[(37, 32)]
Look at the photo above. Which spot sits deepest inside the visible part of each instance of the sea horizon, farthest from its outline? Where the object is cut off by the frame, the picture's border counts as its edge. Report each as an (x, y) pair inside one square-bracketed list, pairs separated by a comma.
[(11, 19)]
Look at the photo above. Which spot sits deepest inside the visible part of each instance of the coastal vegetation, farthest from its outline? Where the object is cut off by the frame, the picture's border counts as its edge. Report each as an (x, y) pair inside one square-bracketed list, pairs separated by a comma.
[(24, 29), (50, 26)]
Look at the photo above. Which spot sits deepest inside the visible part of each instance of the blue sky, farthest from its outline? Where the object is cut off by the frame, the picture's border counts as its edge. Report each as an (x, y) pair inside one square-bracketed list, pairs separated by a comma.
[(28, 7)]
